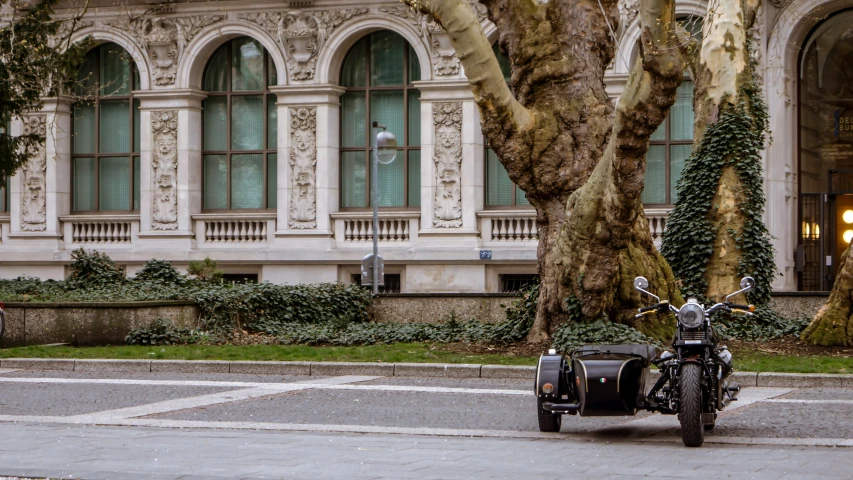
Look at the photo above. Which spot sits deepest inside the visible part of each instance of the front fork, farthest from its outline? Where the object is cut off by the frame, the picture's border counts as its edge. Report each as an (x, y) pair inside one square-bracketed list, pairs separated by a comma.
[(663, 397)]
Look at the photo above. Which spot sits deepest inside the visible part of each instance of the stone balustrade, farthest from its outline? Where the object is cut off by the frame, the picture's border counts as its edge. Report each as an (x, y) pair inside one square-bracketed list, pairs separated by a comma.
[(357, 227), (657, 223), (503, 226), (233, 229), (99, 230)]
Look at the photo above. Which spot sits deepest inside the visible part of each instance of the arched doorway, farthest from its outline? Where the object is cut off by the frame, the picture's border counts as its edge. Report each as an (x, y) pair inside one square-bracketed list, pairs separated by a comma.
[(825, 150)]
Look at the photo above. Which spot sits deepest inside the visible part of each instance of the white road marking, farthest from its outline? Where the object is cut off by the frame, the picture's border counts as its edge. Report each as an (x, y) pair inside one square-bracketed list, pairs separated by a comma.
[(818, 401), (746, 397), (445, 432), (8, 370), (333, 383)]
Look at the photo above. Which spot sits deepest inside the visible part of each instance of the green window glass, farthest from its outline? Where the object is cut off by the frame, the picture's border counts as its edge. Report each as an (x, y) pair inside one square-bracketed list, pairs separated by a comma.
[(4, 190), (669, 148), (378, 72), (240, 128), (106, 134), (500, 190)]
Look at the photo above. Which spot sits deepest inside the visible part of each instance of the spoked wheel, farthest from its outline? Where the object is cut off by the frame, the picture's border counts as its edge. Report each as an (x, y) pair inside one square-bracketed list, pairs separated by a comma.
[(548, 422), (690, 405)]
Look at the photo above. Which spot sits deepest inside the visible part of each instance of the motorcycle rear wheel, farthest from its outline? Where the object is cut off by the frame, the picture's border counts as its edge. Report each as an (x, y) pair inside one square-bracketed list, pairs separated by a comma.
[(690, 405)]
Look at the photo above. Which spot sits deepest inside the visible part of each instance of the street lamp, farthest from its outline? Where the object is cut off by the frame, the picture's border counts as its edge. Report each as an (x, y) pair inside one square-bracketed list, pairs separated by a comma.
[(384, 152)]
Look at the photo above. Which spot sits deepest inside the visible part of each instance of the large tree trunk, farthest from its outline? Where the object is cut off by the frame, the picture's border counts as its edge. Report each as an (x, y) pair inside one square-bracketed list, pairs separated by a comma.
[(833, 324), (716, 234), (580, 162)]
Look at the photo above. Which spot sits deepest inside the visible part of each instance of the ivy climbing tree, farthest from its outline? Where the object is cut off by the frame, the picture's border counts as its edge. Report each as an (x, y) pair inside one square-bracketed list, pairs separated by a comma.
[(716, 234), (37, 61)]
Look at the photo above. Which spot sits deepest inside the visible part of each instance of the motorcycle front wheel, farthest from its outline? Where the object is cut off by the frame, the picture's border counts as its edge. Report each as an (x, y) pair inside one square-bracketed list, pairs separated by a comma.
[(690, 405)]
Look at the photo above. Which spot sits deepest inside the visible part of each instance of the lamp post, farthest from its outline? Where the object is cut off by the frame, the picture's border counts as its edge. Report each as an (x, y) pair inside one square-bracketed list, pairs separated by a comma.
[(384, 152)]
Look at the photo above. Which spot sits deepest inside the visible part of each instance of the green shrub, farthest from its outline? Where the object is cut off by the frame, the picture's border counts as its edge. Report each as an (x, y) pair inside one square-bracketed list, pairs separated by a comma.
[(160, 271), (205, 270), (93, 269), (766, 324), (162, 332), (571, 335)]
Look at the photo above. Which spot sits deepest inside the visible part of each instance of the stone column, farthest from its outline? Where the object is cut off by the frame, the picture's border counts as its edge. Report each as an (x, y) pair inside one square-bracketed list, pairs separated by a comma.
[(308, 169), (451, 161), (170, 167), (41, 189)]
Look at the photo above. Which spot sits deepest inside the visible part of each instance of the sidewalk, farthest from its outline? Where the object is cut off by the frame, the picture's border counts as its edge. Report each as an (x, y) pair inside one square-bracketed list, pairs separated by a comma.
[(746, 379)]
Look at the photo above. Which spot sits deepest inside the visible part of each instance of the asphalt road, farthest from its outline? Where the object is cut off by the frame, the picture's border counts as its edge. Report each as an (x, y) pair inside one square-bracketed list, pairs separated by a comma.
[(156, 426)]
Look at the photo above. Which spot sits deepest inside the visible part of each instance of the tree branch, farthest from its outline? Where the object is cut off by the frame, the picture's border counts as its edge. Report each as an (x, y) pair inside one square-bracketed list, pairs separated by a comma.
[(497, 104)]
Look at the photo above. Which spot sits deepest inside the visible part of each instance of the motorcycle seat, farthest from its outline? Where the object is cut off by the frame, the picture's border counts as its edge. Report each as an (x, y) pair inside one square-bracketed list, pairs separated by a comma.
[(645, 352)]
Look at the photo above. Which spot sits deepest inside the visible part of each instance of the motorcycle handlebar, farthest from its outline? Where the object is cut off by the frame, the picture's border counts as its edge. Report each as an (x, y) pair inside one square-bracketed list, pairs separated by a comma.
[(649, 308)]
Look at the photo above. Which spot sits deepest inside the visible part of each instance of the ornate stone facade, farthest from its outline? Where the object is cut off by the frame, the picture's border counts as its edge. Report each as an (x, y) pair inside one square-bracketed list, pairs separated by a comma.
[(447, 159), (302, 34), (163, 39), (164, 164), (303, 168), (444, 59), (34, 172)]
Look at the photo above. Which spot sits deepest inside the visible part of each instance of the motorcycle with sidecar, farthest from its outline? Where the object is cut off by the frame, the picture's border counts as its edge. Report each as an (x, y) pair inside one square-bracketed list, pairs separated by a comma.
[(610, 380)]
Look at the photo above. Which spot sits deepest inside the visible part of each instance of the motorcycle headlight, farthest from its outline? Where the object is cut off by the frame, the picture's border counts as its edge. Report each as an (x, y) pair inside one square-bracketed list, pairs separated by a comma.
[(691, 315)]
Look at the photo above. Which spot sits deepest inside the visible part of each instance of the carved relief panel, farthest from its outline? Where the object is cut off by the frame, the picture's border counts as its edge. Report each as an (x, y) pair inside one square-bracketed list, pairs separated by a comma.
[(303, 168), (164, 164), (34, 172), (447, 160), (163, 40), (302, 34)]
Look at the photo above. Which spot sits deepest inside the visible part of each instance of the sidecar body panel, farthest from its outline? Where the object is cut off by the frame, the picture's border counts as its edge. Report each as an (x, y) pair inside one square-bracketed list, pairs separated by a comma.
[(610, 380)]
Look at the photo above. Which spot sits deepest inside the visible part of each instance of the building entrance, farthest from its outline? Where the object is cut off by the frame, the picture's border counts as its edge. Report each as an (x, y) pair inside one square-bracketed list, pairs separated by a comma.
[(825, 151)]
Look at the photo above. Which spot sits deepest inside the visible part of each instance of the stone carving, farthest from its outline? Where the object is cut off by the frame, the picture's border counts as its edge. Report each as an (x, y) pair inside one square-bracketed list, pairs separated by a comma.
[(163, 39), (164, 163), (302, 34), (303, 168), (444, 59), (190, 26), (33, 201), (67, 28), (480, 10), (629, 9), (447, 157)]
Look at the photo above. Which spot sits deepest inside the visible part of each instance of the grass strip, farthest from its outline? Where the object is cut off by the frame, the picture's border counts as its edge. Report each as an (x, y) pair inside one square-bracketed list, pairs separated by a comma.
[(393, 353), (744, 360)]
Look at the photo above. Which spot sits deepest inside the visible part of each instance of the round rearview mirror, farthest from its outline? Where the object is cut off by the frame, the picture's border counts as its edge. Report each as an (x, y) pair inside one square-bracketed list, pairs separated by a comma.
[(640, 283), (746, 282)]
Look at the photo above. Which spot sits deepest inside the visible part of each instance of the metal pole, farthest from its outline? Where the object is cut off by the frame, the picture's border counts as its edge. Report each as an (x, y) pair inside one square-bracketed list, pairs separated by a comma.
[(374, 182)]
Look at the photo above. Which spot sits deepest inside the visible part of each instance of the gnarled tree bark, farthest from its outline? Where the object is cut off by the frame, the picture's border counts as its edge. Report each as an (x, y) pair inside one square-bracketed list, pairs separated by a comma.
[(833, 323), (580, 161)]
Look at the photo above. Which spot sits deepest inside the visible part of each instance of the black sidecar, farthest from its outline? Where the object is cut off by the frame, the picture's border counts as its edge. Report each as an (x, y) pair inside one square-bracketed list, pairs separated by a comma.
[(594, 381)]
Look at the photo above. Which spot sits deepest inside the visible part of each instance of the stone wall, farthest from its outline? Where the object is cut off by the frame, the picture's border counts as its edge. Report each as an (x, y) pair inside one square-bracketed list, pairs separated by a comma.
[(437, 307), (88, 323), (798, 304)]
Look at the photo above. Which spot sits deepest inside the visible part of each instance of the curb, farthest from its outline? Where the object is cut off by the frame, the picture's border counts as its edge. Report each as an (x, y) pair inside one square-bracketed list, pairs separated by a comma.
[(326, 369), (746, 379)]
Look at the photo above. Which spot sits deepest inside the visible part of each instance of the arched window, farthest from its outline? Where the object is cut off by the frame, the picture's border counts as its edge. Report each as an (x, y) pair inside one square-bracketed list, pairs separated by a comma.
[(672, 142), (378, 73), (500, 191), (105, 144), (240, 128)]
